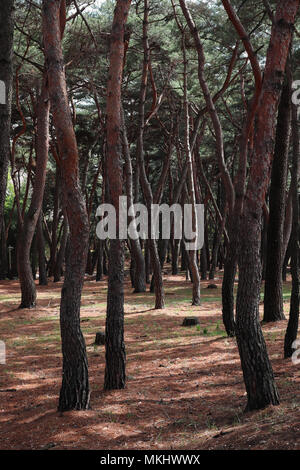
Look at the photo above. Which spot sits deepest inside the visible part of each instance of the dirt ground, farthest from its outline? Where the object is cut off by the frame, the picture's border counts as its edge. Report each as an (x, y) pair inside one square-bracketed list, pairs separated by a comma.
[(184, 388)]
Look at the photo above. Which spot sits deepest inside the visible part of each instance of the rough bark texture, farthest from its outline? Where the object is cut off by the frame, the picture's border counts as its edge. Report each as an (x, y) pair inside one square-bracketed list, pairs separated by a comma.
[(257, 370), (273, 300), (114, 333), (6, 76), (74, 393)]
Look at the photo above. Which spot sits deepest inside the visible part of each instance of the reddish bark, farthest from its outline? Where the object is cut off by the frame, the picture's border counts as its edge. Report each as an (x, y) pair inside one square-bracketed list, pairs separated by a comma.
[(257, 370), (74, 393)]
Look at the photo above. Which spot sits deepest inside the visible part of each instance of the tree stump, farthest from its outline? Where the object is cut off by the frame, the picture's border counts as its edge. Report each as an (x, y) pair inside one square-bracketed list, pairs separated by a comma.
[(100, 338), (190, 321)]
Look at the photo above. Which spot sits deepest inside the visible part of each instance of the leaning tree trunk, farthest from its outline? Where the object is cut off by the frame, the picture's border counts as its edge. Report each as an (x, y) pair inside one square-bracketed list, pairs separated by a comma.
[(257, 369), (28, 287), (74, 393), (273, 300), (6, 79), (115, 355), (292, 328)]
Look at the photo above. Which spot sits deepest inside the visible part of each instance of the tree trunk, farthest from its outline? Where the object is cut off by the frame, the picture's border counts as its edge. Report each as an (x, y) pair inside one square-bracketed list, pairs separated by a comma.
[(273, 300), (75, 392), (114, 334), (99, 272), (6, 77), (53, 244), (228, 284), (3, 251), (28, 287), (292, 328), (147, 191), (138, 261), (257, 370), (41, 250), (61, 252)]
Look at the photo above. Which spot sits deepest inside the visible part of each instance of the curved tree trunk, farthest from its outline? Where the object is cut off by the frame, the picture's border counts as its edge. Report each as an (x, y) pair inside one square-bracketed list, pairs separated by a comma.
[(74, 392), (28, 287)]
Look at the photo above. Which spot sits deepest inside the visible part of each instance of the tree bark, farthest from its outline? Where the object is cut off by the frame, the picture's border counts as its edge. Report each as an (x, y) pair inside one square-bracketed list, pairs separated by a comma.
[(6, 76), (139, 274), (58, 267), (41, 251), (75, 392), (27, 283), (273, 300), (257, 369), (292, 328), (115, 355), (147, 191)]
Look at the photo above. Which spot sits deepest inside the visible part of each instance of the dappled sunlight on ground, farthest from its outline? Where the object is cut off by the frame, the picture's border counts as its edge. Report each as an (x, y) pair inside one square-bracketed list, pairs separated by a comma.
[(184, 384)]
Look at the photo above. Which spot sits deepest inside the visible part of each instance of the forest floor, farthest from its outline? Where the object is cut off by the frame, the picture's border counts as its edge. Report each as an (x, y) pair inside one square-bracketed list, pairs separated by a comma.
[(184, 388)]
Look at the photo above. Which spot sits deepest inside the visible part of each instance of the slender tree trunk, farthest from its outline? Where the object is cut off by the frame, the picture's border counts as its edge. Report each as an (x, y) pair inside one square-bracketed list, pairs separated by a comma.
[(292, 328), (28, 287), (228, 282), (3, 251), (147, 191), (34, 257), (99, 272), (41, 251), (191, 184), (74, 393), (58, 268), (273, 300), (6, 80), (175, 246), (139, 275), (114, 336), (53, 244)]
